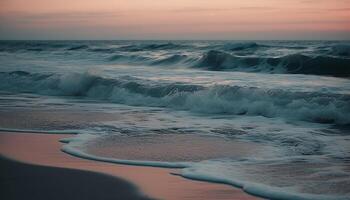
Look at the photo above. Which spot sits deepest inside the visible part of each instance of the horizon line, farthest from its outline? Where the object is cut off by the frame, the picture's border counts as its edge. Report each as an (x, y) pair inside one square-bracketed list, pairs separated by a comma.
[(174, 39)]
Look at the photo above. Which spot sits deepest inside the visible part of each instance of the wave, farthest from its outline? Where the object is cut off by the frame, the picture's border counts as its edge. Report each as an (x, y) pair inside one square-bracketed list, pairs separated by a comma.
[(97, 47), (177, 59), (223, 61), (12, 46), (241, 46), (218, 99), (153, 46), (129, 59), (171, 60), (78, 47), (329, 59), (292, 64), (103, 50), (340, 50), (216, 60)]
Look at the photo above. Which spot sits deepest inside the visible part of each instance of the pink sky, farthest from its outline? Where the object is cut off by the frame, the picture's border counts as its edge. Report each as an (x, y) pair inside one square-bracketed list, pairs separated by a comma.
[(175, 19)]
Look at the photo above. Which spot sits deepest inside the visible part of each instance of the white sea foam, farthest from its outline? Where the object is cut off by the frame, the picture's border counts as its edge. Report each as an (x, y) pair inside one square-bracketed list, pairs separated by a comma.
[(231, 172), (256, 189), (217, 172), (315, 106), (74, 145)]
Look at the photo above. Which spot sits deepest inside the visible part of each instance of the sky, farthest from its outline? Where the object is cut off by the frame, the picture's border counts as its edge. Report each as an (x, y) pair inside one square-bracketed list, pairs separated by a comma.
[(175, 19)]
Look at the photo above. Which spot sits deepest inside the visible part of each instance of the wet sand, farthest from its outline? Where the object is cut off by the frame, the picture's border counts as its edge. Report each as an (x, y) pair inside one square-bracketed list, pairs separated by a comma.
[(158, 183), (26, 181)]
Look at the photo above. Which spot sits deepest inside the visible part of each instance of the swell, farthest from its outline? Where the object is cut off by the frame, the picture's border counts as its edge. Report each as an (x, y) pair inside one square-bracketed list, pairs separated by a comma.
[(153, 46), (223, 61), (315, 59), (93, 46), (89, 45), (291, 64), (168, 60), (241, 46), (217, 99)]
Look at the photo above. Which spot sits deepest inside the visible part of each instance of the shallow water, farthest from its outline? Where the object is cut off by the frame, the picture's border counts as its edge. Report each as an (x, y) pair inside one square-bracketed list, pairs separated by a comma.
[(269, 117)]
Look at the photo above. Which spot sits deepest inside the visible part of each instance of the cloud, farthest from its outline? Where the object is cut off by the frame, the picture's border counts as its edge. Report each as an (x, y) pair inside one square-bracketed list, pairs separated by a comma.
[(23, 17), (203, 9), (339, 9)]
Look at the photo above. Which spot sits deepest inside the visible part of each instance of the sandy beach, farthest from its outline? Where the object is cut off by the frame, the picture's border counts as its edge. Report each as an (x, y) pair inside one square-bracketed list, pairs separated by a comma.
[(39, 154)]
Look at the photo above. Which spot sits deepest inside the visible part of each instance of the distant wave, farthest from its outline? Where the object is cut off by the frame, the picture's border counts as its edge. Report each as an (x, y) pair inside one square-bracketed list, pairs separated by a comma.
[(78, 47), (217, 99), (294, 64), (129, 59), (154, 46), (103, 50), (296, 58), (132, 47), (171, 60), (223, 61), (241, 46), (176, 59), (14, 46), (340, 50)]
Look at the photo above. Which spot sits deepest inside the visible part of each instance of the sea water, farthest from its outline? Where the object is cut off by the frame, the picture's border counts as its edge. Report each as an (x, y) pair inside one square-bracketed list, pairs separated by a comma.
[(271, 117)]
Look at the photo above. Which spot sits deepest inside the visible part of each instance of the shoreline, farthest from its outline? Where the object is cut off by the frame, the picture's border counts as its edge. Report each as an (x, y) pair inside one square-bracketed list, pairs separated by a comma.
[(44, 150)]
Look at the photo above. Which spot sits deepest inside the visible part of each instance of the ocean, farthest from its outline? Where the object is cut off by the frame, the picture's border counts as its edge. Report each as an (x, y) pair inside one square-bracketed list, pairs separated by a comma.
[(270, 117)]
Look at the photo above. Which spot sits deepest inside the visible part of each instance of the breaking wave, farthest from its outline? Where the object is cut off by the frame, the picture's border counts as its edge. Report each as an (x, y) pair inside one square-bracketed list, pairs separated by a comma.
[(217, 99)]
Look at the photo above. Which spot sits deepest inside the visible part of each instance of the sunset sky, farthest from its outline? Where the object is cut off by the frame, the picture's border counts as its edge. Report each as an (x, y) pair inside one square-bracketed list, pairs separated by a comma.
[(175, 19)]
